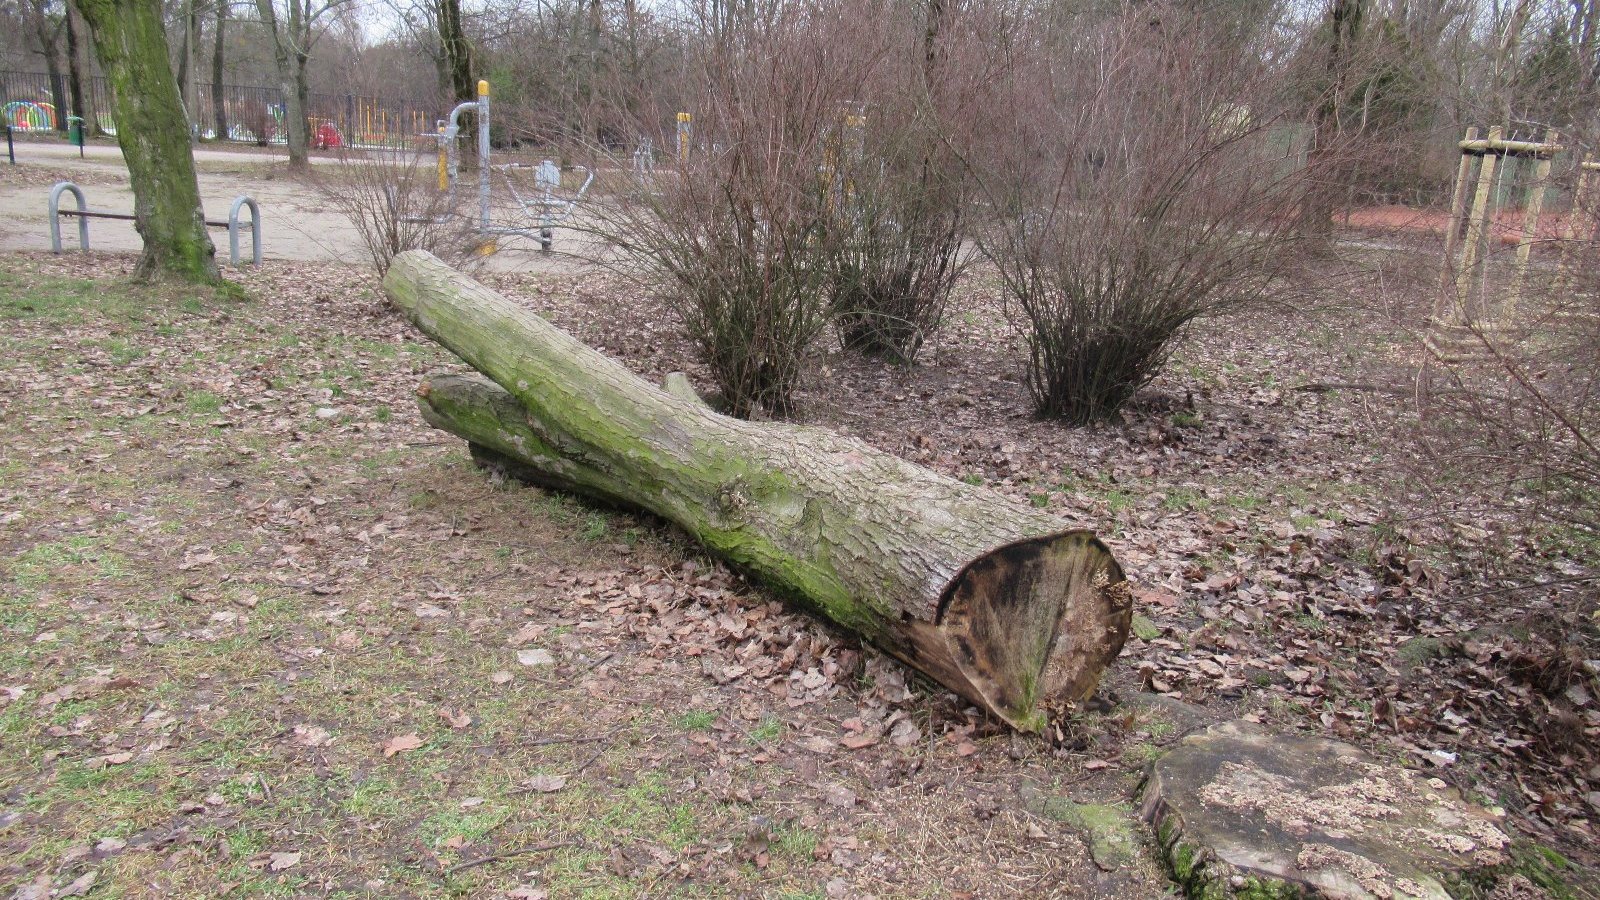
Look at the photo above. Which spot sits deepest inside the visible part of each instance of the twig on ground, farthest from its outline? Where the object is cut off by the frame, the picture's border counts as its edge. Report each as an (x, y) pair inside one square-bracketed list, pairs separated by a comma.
[(510, 854), (576, 739)]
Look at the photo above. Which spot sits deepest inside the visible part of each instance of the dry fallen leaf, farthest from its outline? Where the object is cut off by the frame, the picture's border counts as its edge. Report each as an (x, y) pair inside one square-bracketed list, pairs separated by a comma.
[(281, 861), (501, 676), (401, 743), (457, 719), (546, 784), (311, 736), (857, 741), (535, 657)]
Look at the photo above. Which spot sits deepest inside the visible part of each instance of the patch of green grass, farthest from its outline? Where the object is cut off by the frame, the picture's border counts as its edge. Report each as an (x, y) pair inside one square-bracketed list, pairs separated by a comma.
[(972, 479), (1185, 499), (49, 299), (203, 403), (1186, 419), (46, 562), (1142, 753), (683, 827), (376, 797), (595, 528), (696, 720), (1245, 502), (770, 729), (470, 825), (795, 842)]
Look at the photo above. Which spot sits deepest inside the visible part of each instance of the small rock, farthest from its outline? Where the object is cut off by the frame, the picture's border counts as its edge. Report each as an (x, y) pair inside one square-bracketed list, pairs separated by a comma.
[(327, 412)]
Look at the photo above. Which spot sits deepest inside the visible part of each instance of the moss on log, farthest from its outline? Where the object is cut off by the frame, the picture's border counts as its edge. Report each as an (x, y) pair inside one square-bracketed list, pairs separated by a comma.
[(999, 602)]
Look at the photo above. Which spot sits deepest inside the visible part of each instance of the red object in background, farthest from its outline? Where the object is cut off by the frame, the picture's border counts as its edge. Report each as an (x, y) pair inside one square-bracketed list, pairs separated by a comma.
[(326, 137)]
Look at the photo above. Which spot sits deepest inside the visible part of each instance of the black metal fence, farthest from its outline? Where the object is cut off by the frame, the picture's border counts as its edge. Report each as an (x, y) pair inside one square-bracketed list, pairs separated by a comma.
[(36, 101)]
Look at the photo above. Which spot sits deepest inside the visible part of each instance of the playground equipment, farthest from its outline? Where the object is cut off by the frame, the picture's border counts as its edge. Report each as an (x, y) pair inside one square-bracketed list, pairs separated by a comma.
[(545, 209), (84, 214), (26, 115)]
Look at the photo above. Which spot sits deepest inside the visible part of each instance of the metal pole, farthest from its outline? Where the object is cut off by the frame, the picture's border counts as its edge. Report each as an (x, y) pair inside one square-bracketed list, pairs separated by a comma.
[(11, 150), (483, 153)]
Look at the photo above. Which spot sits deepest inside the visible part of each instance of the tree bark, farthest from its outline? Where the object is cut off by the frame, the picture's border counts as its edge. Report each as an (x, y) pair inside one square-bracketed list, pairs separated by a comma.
[(131, 43), (219, 106), (48, 32), (290, 52), (1344, 23), (80, 106), (1003, 604), (455, 51)]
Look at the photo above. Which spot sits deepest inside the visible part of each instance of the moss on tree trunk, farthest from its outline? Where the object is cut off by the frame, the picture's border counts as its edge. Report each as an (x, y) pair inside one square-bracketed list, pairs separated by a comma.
[(130, 42), (1003, 604)]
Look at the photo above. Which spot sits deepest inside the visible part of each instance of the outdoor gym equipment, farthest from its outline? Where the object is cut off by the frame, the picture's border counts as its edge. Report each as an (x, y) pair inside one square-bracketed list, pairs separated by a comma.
[(545, 208), (84, 214)]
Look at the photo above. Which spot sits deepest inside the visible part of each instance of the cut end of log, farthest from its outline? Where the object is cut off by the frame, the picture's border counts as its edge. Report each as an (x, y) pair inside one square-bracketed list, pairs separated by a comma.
[(1032, 625)]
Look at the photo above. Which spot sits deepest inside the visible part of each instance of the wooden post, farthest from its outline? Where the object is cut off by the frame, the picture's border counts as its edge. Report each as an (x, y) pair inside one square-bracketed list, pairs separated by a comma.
[(1530, 226), (1583, 211), (1475, 224), (1458, 211)]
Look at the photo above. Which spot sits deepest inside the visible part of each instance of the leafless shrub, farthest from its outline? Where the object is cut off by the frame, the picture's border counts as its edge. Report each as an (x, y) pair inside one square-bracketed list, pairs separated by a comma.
[(394, 203), (1137, 184), (256, 117), (737, 232), (900, 198)]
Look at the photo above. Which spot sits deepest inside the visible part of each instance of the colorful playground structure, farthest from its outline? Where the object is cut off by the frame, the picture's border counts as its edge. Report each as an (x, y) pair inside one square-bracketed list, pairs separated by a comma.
[(30, 115)]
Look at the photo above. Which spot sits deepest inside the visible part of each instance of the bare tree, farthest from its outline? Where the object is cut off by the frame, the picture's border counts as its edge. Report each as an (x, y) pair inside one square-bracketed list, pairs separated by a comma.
[(294, 27)]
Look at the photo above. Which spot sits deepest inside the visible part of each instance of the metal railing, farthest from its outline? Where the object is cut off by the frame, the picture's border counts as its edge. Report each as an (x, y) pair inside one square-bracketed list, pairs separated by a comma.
[(36, 102)]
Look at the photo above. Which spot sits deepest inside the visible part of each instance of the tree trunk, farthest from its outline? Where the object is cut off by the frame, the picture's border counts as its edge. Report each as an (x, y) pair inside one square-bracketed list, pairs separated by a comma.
[(219, 106), (48, 33), (1001, 603), (288, 54), (131, 44), (456, 52), (1329, 172), (191, 62), (80, 107)]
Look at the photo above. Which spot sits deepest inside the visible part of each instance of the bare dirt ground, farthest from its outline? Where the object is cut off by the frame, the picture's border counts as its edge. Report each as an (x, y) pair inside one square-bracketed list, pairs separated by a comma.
[(264, 633), (299, 221)]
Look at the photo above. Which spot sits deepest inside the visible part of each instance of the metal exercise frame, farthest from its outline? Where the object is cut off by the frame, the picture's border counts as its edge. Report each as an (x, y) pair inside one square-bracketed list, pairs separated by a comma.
[(546, 209)]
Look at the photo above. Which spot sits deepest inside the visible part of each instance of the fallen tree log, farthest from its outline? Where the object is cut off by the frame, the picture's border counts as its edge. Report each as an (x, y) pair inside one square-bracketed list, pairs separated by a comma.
[(1001, 603)]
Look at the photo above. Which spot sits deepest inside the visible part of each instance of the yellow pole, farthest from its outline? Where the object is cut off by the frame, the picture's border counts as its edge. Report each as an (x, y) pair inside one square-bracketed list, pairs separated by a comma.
[(685, 122), (444, 166)]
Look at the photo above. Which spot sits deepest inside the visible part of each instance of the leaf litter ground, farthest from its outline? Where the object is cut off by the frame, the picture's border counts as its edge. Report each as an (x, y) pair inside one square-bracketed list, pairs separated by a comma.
[(266, 633)]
